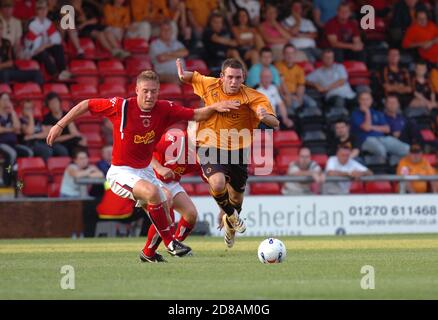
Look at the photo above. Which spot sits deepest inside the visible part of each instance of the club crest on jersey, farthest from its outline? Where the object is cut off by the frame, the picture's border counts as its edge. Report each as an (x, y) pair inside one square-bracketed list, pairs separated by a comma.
[(146, 139), (179, 170)]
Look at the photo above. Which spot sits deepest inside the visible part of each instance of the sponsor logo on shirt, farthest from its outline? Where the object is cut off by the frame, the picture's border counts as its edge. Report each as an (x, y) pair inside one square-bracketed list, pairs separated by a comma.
[(146, 139)]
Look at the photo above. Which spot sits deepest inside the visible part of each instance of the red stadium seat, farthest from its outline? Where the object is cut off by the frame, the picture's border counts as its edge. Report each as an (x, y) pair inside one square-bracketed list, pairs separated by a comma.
[(27, 90), (134, 66), (282, 162), (54, 190), (118, 80), (33, 175), (197, 65), (94, 139), (356, 187), (56, 167), (170, 91), (188, 93), (89, 80), (265, 188), (111, 67), (428, 135), (6, 88), (431, 158), (288, 150), (135, 45), (379, 32), (83, 67), (202, 189), (87, 45), (320, 159), (130, 89), (356, 69), (60, 88), (378, 187), (109, 90), (307, 66), (189, 188), (286, 138), (83, 91), (27, 64)]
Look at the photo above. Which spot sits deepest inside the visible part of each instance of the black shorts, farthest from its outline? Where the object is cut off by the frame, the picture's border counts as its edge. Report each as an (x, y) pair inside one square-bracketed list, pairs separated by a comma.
[(234, 167)]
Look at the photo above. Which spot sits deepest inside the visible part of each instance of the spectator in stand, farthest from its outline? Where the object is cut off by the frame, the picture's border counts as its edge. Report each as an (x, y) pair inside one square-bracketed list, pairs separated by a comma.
[(371, 129), (344, 137), (331, 81), (396, 79), (8, 71), (70, 137), (270, 90), (343, 35), (32, 133), (80, 168), (253, 77), (303, 167), (164, 51), (423, 35), (24, 10), (274, 34), (252, 7), (324, 10), (9, 130), (198, 13), (218, 43), (416, 164), (402, 17), (43, 43), (12, 29), (423, 93), (105, 163), (247, 37), (404, 129), (303, 31), (87, 17), (178, 13), (343, 165), (293, 84)]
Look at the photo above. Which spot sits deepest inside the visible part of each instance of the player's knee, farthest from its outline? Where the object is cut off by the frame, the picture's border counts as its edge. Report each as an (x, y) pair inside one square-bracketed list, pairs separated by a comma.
[(191, 215), (217, 183)]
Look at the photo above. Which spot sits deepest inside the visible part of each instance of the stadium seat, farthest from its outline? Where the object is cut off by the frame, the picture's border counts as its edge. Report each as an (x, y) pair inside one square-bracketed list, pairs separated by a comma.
[(83, 67), (356, 187), (134, 66), (197, 65), (111, 67), (378, 187), (379, 32), (135, 45), (94, 139), (33, 174), (87, 45), (188, 93), (431, 158), (60, 88), (130, 89), (109, 90), (4, 87), (288, 150), (27, 64), (356, 69), (27, 90), (428, 135), (282, 162), (170, 91), (89, 80), (189, 188), (286, 138), (320, 159), (202, 189), (307, 66), (54, 190), (56, 167), (265, 188), (83, 91)]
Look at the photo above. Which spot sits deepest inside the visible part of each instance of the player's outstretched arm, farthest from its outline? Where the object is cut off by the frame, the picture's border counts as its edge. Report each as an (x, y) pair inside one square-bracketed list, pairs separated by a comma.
[(223, 106), (184, 76), (57, 129), (267, 118)]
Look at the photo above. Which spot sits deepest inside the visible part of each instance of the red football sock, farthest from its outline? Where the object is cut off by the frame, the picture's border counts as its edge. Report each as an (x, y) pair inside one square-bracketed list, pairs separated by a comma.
[(153, 240), (157, 214), (183, 230)]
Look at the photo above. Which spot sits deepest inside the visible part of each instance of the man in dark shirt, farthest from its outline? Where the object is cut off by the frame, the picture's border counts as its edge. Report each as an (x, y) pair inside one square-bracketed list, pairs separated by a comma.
[(344, 137)]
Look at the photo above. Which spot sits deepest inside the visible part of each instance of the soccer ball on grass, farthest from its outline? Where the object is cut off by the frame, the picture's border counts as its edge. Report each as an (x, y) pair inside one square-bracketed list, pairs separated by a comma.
[(271, 250)]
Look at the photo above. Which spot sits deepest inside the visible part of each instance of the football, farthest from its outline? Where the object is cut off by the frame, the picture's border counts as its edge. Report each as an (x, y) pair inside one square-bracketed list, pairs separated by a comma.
[(271, 250)]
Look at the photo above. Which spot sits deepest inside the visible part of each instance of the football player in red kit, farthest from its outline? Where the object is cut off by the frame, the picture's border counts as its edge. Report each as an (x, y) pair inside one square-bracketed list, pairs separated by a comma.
[(170, 162), (138, 125)]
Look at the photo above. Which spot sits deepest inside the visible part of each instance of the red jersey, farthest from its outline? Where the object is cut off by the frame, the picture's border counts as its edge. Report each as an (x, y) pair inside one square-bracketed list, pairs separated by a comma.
[(135, 131), (181, 151)]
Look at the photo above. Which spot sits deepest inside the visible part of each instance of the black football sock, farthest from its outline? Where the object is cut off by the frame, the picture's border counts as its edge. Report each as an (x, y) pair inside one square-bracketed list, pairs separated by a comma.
[(222, 199)]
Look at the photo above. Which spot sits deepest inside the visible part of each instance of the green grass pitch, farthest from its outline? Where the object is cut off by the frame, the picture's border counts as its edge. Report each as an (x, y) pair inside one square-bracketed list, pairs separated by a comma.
[(406, 267)]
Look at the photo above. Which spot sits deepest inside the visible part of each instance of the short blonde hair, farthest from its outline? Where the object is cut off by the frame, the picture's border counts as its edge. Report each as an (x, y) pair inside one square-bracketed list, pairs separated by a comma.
[(148, 75)]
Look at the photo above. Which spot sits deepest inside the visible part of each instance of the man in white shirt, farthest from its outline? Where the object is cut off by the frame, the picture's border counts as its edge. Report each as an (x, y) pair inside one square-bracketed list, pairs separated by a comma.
[(270, 90), (342, 165), (164, 51), (12, 29), (303, 32)]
